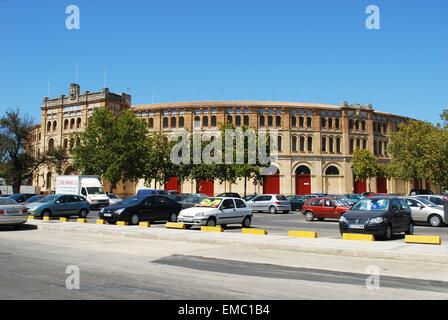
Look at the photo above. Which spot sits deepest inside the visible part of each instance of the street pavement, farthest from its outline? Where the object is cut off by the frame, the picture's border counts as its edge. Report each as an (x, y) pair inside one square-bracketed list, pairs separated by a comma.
[(34, 264), (280, 224)]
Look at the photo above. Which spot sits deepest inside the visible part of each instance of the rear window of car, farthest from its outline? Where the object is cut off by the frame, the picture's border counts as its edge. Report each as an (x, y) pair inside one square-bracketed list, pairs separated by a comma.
[(437, 201), (281, 198), (7, 202)]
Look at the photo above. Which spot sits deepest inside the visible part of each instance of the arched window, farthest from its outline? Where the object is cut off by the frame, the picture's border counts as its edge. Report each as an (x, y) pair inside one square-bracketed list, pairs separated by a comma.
[(363, 125), (294, 144), (72, 144), (65, 144), (303, 171), (173, 122), (338, 145), (55, 125), (270, 121), (262, 121), (302, 122), (330, 123), (78, 123), (332, 171), (205, 121), (357, 124), (324, 144), (302, 144), (229, 119), (246, 121), (48, 126), (310, 144), (50, 145), (350, 124), (165, 122), (279, 143), (49, 178), (364, 144), (238, 121), (197, 121), (331, 144), (309, 122), (213, 121), (336, 123), (293, 121), (278, 121), (181, 122), (352, 146), (151, 123), (72, 124), (324, 122), (65, 124), (385, 127)]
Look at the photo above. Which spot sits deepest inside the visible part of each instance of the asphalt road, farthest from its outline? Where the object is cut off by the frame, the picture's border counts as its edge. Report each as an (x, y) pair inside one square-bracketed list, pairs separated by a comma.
[(34, 265), (280, 224)]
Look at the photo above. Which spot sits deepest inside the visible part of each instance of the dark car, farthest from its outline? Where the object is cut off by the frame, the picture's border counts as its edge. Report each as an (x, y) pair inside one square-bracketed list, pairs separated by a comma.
[(416, 192), (149, 192), (150, 208), (380, 216), (21, 197), (229, 195), (193, 200), (297, 202), (33, 199)]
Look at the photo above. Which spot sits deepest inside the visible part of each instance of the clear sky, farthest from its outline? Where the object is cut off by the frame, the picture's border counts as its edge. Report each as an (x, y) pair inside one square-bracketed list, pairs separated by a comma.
[(187, 50)]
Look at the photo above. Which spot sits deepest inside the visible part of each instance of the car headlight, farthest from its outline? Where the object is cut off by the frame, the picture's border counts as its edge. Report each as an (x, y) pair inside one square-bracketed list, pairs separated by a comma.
[(119, 211), (376, 220), (343, 220), (102, 210), (199, 214)]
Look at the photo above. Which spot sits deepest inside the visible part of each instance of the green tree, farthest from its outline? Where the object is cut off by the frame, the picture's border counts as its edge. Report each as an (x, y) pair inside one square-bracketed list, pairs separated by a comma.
[(113, 147), (364, 165), (18, 162)]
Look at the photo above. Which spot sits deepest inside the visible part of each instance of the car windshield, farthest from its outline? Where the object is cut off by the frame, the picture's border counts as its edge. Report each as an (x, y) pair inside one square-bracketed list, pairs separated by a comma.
[(372, 205), (210, 203), (33, 199), (427, 202), (131, 201), (95, 190), (49, 199), (7, 202)]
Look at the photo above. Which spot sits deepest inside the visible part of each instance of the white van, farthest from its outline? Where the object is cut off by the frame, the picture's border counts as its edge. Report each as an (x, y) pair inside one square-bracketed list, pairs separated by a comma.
[(87, 186)]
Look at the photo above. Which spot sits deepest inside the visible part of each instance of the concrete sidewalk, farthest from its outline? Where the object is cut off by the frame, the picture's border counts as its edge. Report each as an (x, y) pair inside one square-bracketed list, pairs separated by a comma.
[(394, 250)]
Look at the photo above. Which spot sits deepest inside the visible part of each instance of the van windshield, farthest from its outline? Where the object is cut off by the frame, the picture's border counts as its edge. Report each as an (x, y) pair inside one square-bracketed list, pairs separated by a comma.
[(371, 205), (95, 190)]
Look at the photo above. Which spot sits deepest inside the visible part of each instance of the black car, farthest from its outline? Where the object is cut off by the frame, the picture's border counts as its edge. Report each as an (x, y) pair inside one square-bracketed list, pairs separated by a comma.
[(21, 197), (380, 216), (297, 202), (416, 192), (229, 195), (136, 209)]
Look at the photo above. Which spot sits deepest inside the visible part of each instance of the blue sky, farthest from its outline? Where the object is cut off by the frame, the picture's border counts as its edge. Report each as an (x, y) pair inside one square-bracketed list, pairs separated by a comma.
[(308, 51)]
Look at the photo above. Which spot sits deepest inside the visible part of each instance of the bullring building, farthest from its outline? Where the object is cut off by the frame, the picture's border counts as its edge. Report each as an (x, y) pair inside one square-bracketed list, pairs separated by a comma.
[(315, 141)]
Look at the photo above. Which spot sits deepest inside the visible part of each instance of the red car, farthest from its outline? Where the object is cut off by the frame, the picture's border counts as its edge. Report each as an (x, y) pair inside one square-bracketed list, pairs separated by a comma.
[(322, 208)]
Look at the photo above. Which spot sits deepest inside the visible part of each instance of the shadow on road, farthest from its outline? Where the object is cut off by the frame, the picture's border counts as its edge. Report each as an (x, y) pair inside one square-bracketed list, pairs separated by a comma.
[(17, 228)]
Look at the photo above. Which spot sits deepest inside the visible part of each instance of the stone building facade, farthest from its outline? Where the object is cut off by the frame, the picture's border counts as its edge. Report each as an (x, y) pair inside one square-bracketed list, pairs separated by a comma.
[(316, 141)]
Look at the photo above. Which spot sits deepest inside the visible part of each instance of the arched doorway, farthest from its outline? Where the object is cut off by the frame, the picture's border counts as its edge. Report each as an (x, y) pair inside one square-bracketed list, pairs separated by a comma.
[(271, 183), (303, 180), (173, 184), (332, 180)]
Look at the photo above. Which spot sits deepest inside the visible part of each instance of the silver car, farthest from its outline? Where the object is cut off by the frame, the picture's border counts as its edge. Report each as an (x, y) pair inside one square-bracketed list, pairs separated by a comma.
[(12, 213), (436, 199), (425, 211), (271, 203)]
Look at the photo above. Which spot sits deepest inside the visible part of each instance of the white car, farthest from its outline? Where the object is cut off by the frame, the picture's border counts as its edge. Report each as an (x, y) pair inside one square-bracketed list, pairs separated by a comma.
[(217, 211), (425, 211), (12, 213)]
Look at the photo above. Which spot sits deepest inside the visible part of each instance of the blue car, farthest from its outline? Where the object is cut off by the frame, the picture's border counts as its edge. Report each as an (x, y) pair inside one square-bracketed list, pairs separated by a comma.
[(60, 205)]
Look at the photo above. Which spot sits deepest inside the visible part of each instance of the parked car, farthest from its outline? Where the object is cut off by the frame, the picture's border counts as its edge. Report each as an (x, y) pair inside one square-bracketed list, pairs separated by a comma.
[(249, 197), (380, 216), (229, 195), (436, 199), (424, 210), (354, 197), (57, 205), (193, 200), (217, 211), (322, 208), (297, 202), (142, 193), (415, 192), (113, 199), (271, 203), (12, 213), (21, 197), (33, 199), (136, 209)]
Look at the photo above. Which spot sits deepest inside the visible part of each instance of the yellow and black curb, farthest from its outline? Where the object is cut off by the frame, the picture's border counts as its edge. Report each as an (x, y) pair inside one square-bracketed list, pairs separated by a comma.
[(212, 229), (302, 234), (436, 240), (144, 224), (358, 237), (175, 225), (81, 220), (262, 232)]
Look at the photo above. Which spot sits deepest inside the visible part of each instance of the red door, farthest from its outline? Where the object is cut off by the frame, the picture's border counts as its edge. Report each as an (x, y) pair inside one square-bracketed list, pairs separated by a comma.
[(271, 184), (207, 187), (303, 185), (173, 184), (381, 185), (359, 186)]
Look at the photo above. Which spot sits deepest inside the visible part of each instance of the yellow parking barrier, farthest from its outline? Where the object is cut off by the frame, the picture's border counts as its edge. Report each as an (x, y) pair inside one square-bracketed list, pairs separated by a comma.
[(100, 221), (302, 234), (46, 218), (144, 224), (358, 237), (212, 229), (254, 231), (63, 219), (31, 218), (437, 240), (122, 223), (175, 225), (81, 220)]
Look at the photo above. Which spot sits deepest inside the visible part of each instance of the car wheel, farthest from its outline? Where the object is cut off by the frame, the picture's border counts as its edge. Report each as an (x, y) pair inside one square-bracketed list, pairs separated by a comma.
[(46, 213), (134, 220), (247, 222), (211, 222), (173, 217), (111, 222), (435, 220), (272, 210), (83, 213), (388, 232), (320, 219), (309, 216), (224, 226), (410, 230)]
